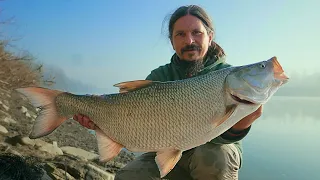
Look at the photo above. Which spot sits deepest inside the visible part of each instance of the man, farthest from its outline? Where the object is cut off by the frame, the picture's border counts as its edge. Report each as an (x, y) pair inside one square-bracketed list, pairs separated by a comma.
[(191, 35)]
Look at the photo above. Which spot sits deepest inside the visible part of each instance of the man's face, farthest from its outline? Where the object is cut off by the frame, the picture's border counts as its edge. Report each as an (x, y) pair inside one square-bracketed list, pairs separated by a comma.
[(190, 39)]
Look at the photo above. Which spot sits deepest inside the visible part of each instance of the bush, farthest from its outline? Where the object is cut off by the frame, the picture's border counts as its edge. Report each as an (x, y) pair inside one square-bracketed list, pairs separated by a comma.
[(20, 69), (16, 71)]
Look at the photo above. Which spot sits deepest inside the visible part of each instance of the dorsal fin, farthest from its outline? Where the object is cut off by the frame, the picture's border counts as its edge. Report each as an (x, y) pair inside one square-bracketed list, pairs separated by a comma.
[(128, 86)]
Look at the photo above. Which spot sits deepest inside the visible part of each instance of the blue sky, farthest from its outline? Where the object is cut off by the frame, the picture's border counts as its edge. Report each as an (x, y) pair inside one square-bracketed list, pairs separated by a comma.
[(105, 42)]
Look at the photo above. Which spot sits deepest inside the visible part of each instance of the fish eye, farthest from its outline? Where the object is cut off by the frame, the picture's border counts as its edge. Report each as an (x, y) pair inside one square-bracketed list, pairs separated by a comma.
[(262, 65)]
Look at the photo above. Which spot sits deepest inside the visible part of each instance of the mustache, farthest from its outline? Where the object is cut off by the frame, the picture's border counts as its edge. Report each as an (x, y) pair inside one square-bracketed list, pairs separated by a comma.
[(191, 47)]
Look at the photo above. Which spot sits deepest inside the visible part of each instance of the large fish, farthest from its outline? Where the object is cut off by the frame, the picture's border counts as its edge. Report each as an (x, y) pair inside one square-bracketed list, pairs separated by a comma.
[(163, 117)]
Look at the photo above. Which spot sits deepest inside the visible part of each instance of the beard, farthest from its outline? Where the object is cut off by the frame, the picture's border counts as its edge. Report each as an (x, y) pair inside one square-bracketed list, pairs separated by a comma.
[(191, 67)]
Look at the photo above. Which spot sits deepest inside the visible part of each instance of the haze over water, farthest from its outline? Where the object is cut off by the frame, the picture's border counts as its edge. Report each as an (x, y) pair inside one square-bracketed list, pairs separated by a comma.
[(284, 144)]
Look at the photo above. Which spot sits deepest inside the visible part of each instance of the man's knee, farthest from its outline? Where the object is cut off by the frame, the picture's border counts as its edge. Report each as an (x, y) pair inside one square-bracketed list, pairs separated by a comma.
[(212, 161), (143, 167)]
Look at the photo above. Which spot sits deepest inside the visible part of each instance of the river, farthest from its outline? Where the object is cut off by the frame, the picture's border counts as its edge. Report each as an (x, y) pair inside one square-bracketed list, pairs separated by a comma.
[(285, 142)]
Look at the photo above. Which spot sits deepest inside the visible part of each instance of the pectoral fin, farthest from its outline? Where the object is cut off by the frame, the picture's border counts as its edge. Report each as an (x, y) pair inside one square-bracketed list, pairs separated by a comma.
[(166, 160), (108, 148), (230, 110), (132, 85)]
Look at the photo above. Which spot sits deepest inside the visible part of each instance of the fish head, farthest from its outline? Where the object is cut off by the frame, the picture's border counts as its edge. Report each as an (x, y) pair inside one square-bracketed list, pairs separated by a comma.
[(256, 83)]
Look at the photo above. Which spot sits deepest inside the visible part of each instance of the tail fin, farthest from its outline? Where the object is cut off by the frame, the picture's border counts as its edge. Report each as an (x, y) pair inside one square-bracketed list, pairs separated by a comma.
[(48, 119)]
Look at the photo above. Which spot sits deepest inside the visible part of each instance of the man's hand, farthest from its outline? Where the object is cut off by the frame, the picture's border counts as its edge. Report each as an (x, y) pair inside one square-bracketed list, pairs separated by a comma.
[(84, 121), (248, 120)]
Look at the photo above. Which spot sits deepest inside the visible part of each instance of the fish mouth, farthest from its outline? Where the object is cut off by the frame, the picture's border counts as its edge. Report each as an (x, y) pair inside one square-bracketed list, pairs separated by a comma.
[(242, 99), (278, 71)]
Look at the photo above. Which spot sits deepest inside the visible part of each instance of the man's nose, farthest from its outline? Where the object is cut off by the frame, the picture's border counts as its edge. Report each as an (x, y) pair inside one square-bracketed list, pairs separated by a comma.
[(189, 39)]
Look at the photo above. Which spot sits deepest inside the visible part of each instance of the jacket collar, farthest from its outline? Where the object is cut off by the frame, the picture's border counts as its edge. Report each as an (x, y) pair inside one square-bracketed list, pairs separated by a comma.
[(175, 60), (208, 64)]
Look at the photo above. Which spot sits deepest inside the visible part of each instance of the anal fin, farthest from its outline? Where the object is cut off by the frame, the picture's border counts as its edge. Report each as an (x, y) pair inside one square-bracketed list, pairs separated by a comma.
[(166, 160), (108, 149)]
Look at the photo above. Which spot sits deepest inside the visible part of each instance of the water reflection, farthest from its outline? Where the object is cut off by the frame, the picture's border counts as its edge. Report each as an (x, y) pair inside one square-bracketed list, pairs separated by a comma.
[(284, 143)]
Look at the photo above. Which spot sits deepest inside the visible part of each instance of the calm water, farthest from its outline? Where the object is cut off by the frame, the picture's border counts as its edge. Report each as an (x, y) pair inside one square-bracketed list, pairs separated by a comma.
[(285, 142)]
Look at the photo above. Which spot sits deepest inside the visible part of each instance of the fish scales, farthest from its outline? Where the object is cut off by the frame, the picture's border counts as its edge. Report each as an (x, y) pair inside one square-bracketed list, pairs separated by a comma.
[(156, 117)]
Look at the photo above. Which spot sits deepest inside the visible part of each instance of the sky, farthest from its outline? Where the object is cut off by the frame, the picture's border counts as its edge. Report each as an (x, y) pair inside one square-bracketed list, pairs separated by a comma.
[(104, 42)]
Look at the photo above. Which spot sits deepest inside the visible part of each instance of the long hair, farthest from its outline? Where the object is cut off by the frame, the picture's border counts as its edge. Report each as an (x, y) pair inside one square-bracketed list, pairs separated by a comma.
[(214, 50)]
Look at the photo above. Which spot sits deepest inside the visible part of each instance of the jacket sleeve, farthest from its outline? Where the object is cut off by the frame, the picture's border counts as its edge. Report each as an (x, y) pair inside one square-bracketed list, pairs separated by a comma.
[(230, 136)]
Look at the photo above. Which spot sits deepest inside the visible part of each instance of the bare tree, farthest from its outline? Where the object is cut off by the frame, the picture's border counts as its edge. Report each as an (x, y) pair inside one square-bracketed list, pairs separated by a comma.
[(18, 69)]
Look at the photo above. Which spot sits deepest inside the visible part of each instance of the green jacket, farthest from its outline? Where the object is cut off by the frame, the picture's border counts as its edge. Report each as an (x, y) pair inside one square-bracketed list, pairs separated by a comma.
[(176, 71)]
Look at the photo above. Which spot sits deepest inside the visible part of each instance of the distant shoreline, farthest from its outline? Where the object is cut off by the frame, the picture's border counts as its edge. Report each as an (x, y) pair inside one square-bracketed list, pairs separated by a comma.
[(297, 97)]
